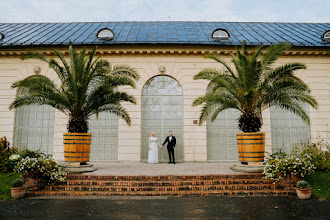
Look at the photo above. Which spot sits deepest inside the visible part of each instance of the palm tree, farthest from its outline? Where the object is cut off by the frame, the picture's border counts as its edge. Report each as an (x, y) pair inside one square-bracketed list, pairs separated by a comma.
[(253, 86), (86, 86)]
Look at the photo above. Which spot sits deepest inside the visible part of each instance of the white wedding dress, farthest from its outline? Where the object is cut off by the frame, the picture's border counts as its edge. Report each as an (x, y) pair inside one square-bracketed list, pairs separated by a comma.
[(153, 151)]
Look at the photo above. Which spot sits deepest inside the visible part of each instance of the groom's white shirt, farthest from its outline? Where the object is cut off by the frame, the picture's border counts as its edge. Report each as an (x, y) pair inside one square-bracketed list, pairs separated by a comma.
[(170, 138)]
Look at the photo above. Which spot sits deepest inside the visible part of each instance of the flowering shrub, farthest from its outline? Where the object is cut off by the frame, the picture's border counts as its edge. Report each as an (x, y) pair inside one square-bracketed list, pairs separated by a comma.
[(42, 166), (31, 153), (299, 162), (320, 153)]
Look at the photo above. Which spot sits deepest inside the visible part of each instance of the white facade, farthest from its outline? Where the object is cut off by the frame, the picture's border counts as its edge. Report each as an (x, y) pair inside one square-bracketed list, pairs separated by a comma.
[(181, 64)]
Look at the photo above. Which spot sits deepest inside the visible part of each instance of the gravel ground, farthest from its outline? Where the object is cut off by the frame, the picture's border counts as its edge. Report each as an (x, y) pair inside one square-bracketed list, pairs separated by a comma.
[(127, 168)]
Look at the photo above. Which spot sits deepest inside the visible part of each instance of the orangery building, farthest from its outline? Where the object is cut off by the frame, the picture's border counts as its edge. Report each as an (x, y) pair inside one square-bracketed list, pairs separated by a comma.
[(166, 55)]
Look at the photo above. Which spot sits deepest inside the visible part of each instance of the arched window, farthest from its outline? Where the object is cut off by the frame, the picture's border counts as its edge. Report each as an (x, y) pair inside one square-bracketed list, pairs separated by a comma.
[(162, 110), (34, 127)]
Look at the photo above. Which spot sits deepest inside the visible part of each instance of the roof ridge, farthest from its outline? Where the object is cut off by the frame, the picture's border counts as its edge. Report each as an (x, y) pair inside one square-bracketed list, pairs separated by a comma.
[(73, 22)]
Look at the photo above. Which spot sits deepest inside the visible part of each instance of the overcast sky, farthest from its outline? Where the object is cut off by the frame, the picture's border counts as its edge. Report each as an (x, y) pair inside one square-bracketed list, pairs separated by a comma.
[(164, 10)]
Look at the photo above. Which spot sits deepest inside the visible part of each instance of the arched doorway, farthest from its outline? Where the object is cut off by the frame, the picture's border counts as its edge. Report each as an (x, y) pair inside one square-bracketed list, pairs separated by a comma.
[(162, 110), (221, 137), (104, 129), (34, 127), (288, 129)]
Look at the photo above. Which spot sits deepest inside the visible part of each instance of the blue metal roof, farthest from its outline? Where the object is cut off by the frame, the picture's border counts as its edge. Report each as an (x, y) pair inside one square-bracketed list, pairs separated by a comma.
[(162, 32)]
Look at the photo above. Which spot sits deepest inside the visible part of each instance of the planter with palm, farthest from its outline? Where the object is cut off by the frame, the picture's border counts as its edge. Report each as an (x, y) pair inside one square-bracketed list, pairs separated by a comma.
[(253, 85), (87, 86)]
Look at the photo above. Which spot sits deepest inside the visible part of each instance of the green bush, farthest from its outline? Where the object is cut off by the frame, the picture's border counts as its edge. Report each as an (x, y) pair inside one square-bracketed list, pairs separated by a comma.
[(320, 154), (5, 153), (18, 183), (32, 153), (299, 162), (303, 184)]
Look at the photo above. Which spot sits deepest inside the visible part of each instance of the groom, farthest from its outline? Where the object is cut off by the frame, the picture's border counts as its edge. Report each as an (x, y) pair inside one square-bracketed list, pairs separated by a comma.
[(171, 142)]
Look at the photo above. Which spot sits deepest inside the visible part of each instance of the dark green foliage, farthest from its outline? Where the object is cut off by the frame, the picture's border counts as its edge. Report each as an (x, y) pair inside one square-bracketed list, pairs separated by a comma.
[(303, 184), (5, 152), (277, 154), (4, 159), (87, 86), (320, 153), (249, 123), (11, 165), (32, 153), (17, 183), (76, 125), (253, 86)]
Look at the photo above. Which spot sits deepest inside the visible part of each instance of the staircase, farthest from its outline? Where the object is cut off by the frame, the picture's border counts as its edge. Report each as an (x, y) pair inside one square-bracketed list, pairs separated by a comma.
[(201, 185)]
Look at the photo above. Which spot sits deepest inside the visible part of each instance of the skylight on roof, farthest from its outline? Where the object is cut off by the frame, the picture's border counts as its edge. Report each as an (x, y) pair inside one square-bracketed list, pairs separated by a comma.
[(220, 34), (326, 35), (105, 34)]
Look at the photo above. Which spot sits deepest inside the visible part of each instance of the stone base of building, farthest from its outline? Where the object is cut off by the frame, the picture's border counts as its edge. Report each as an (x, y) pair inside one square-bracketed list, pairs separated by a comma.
[(78, 168), (247, 168)]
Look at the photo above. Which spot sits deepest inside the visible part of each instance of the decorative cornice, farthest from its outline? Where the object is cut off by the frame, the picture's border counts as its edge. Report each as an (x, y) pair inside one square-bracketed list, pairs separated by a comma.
[(169, 52)]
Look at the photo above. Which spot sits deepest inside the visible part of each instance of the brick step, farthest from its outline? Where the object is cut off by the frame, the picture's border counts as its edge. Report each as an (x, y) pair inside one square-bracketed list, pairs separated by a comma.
[(169, 193), (163, 188), (203, 185), (162, 182), (166, 177)]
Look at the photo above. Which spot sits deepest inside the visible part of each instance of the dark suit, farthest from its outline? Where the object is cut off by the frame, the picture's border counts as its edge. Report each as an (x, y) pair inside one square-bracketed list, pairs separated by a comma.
[(170, 147)]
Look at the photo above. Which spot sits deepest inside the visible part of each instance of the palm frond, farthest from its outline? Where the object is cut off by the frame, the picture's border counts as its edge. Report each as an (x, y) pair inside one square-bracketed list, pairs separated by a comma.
[(87, 86), (272, 54), (217, 58), (118, 110), (34, 55), (125, 70), (254, 86)]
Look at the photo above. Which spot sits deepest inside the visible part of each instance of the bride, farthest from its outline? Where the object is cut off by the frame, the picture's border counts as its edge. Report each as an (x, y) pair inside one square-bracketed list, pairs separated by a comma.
[(153, 148)]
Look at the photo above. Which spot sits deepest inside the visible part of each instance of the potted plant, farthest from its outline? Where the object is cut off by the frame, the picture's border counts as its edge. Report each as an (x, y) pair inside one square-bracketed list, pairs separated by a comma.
[(87, 86), (38, 169), (18, 190), (252, 86), (303, 189)]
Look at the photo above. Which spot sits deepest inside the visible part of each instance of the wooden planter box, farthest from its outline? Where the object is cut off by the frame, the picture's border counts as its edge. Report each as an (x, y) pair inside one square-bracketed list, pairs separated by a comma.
[(251, 147), (77, 147)]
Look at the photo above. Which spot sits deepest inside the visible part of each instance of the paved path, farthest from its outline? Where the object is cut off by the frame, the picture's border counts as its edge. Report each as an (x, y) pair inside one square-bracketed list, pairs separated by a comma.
[(127, 168), (165, 208)]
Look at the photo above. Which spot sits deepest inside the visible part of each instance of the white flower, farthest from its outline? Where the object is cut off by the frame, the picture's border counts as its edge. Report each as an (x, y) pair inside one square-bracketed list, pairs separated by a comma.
[(14, 157)]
